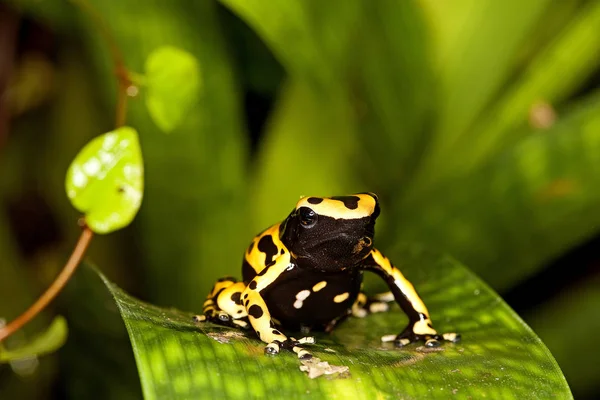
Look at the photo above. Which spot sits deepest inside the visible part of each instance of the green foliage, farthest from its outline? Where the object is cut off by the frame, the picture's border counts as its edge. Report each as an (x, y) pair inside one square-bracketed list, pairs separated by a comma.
[(545, 182), (46, 342), (430, 104), (194, 210), (178, 359), (173, 84), (474, 56), (105, 180)]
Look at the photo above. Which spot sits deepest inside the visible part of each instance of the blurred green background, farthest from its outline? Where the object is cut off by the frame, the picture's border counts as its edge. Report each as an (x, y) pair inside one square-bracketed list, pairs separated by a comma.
[(476, 121)]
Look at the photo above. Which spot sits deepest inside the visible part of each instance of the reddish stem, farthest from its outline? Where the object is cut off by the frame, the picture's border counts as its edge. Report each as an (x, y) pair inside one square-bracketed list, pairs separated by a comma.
[(58, 284), (123, 82)]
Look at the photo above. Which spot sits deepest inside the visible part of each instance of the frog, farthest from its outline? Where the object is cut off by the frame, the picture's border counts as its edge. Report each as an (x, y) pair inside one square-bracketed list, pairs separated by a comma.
[(305, 274)]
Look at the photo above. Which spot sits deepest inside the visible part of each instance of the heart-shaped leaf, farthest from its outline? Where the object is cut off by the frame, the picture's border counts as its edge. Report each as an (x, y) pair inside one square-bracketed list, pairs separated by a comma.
[(499, 356), (173, 83), (47, 342), (105, 180)]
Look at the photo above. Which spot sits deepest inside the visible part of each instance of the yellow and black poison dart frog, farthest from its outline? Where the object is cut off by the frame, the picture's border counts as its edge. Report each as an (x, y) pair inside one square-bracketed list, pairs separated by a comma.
[(306, 273)]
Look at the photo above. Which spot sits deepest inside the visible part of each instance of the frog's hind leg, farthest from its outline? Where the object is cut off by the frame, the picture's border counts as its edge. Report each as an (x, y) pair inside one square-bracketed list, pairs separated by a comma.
[(223, 304), (364, 305)]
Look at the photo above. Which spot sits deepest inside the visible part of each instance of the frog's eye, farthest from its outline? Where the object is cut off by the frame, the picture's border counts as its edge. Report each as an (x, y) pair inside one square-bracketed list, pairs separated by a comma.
[(308, 218)]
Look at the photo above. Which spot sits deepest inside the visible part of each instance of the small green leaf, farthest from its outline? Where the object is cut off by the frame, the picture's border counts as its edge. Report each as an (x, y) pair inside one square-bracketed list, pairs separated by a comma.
[(105, 180), (47, 342), (173, 82), (499, 356)]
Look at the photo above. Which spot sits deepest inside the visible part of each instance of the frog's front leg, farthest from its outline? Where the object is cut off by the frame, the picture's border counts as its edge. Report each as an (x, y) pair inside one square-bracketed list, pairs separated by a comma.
[(260, 317), (419, 326)]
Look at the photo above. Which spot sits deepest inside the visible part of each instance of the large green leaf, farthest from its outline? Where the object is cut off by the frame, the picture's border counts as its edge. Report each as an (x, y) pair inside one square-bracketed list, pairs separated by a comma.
[(475, 53), (499, 356), (298, 131), (370, 84), (310, 38), (524, 207), (573, 55), (313, 114)]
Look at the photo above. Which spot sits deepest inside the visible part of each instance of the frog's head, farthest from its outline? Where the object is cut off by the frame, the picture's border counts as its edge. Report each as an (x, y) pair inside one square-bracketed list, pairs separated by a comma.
[(331, 233)]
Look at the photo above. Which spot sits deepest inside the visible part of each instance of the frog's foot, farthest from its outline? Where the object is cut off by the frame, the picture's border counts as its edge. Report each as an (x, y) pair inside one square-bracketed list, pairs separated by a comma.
[(293, 345), (364, 305), (408, 336), (222, 318)]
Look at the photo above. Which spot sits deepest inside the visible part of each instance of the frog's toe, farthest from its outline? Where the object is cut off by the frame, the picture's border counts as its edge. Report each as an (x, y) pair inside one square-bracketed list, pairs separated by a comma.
[(199, 318), (451, 337), (272, 348), (301, 353), (241, 323), (224, 317), (408, 337), (304, 355), (295, 346), (305, 340)]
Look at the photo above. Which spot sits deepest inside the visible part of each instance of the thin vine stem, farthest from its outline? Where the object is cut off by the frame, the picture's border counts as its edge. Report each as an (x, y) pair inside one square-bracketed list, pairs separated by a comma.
[(54, 289), (123, 82), (121, 72)]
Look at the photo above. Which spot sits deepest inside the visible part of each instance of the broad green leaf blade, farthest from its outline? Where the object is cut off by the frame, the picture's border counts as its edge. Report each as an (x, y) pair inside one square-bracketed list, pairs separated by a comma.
[(380, 78), (47, 342), (105, 180), (523, 208), (300, 131), (173, 84), (310, 38), (499, 356), (97, 359), (392, 92), (475, 53), (573, 55)]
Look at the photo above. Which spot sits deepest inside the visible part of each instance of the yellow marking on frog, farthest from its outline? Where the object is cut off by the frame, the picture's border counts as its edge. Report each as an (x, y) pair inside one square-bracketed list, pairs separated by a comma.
[(378, 307), (319, 286), (209, 303), (336, 208), (452, 337), (420, 327), (300, 297), (220, 286), (386, 297), (341, 297), (357, 308), (261, 322), (256, 258), (225, 303)]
